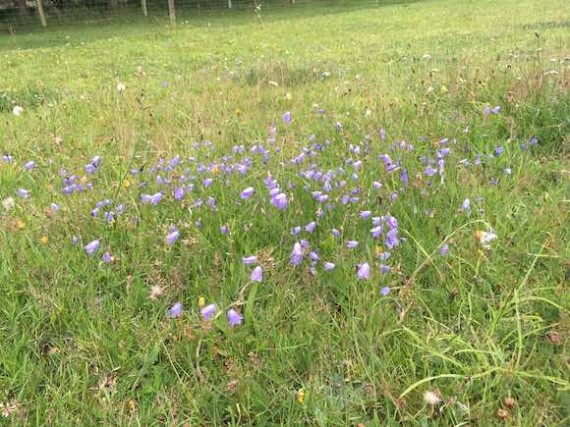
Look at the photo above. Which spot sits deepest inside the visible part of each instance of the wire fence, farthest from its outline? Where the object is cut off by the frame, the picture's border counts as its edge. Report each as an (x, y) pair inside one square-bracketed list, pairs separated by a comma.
[(16, 15)]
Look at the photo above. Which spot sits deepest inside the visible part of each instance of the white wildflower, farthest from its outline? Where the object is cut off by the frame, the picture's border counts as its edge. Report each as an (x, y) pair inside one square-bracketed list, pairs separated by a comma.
[(431, 398), (8, 203), (485, 238), (7, 409)]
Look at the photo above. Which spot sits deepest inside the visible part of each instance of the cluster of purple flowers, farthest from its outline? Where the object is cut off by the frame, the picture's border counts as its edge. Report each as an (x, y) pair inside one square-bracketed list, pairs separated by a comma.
[(72, 184), (257, 273), (209, 312), (310, 185), (278, 197), (93, 165)]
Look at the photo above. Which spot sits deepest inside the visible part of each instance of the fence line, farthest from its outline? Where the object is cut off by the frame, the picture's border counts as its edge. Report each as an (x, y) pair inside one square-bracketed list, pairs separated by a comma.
[(33, 13)]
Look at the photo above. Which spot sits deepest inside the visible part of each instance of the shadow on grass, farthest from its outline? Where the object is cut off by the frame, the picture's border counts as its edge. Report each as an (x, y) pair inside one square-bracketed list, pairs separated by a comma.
[(547, 25), (82, 28)]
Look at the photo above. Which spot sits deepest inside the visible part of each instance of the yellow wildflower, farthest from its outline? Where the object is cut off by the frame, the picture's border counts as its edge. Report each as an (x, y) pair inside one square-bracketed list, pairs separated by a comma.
[(301, 396)]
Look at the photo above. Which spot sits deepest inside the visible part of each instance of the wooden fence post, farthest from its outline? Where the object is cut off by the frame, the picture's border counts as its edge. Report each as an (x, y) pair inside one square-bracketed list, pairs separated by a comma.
[(171, 12), (41, 12)]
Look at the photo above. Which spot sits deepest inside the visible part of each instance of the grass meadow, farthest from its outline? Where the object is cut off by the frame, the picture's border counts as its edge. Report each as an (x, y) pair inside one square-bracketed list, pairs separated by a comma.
[(321, 216)]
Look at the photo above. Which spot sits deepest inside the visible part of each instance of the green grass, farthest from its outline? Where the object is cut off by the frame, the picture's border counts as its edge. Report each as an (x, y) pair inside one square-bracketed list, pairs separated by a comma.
[(84, 344)]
